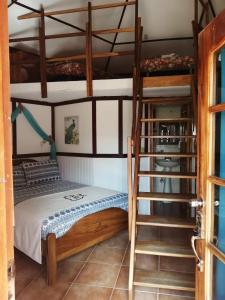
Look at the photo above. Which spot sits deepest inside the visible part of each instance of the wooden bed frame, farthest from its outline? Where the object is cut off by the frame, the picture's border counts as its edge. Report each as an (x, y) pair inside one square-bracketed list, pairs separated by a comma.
[(85, 233)]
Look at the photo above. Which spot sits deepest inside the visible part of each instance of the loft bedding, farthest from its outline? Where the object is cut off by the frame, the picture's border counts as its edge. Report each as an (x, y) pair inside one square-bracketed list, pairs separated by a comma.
[(54, 207), (167, 63)]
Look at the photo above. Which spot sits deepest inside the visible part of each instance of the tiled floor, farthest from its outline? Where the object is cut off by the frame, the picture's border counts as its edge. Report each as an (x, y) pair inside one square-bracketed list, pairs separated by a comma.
[(99, 273)]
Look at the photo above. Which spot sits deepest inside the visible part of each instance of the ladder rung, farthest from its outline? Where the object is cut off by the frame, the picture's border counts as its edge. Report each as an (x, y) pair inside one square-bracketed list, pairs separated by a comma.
[(167, 154), (164, 221), (167, 174), (163, 248), (165, 280), (172, 197), (168, 136), (168, 100), (174, 120)]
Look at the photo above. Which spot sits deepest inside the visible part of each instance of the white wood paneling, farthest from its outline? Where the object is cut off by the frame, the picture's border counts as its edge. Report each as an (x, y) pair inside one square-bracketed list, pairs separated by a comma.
[(77, 169), (127, 123), (107, 126), (28, 141), (110, 173)]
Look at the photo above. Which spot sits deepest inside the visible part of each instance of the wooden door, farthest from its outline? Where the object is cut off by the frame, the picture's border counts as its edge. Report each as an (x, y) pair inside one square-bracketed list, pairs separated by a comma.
[(6, 199), (211, 248)]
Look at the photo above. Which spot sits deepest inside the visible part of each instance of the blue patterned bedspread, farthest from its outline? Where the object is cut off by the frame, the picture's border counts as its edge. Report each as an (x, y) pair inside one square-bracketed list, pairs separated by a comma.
[(62, 220), (42, 189)]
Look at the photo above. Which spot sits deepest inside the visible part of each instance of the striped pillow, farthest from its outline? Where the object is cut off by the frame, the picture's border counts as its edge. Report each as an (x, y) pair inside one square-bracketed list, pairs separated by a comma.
[(41, 171), (19, 179)]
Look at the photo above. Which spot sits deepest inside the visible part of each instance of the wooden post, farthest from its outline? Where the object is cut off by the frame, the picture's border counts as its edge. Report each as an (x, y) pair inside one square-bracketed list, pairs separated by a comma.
[(138, 62), (120, 126), (51, 259), (89, 65), (134, 104), (129, 178), (6, 189), (207, 12), (42, 46), (136, 31), (152, 159), (196, 11)]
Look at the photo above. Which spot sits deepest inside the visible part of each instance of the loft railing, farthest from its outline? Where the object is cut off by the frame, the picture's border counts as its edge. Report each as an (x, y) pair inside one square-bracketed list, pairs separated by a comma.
[(137, 76), (88, 33), (200, 21)]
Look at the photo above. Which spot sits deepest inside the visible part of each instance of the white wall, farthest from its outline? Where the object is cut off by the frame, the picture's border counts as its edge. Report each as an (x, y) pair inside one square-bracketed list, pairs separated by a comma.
[(28, 141), (106, 126), (84, 112)]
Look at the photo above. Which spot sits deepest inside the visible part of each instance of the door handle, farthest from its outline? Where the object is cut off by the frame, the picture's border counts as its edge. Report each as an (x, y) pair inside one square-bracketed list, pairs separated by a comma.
[(197, 203), (200, 262)]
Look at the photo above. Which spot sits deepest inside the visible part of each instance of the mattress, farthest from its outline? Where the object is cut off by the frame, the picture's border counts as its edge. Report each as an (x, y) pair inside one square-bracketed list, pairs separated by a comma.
[(167, 63), (56, 212)]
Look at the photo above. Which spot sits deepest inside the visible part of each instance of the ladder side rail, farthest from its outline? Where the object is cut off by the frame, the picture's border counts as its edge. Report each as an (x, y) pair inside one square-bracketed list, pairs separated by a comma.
[(135, 191), (130, 182)]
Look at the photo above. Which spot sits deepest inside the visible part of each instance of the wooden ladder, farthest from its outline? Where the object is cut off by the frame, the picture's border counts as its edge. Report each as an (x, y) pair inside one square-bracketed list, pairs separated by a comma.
[(146, 138)]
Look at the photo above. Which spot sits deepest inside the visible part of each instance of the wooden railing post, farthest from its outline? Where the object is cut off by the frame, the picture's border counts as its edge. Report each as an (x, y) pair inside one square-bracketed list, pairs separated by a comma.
[(130, 186), (42, 46), (89, 64), (134, 104), (136, 31)]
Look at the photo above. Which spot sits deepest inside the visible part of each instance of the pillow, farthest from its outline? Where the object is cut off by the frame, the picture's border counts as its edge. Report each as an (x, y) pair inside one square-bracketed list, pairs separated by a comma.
[(41, 171), (19, 179)]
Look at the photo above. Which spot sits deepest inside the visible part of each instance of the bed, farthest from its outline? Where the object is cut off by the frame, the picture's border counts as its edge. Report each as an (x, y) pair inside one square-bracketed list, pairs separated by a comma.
[(56, 219)]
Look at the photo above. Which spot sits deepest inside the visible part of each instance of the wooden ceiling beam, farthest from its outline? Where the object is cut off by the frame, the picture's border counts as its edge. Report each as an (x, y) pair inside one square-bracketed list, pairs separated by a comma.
[(116, 35), (72, 34), (75, 10), (95, 55), (60, 21)]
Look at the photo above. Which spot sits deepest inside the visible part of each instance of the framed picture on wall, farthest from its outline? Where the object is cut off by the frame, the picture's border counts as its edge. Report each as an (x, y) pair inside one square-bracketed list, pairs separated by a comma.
[(71, 126)]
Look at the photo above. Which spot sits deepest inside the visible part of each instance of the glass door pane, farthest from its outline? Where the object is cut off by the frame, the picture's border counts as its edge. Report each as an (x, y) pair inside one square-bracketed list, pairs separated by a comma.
[(220, 80), (218, 280), (218, 232)]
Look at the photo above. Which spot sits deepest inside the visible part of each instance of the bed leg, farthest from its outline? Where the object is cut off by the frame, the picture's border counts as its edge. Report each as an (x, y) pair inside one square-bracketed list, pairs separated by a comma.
[(51, 259)]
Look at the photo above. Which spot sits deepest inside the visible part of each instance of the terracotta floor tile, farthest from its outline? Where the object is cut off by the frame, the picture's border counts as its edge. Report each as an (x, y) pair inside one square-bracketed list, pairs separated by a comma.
[(186, 265), (67, 271), (114, 256), (82, 256), (98, 274), (169, 297), (177, 235), (118, 241), (147, 262), (119, 295), (85, 292), (26, 266), (148, 233), (126, 260), (21, 283), (145, 296), (26, 271), (146, 289), (122, 281), (38, 290), (176, 293)]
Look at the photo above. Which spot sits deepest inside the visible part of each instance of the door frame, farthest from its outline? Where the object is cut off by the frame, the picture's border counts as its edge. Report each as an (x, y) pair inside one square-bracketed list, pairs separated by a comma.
[(6, 191), (211, 39)]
